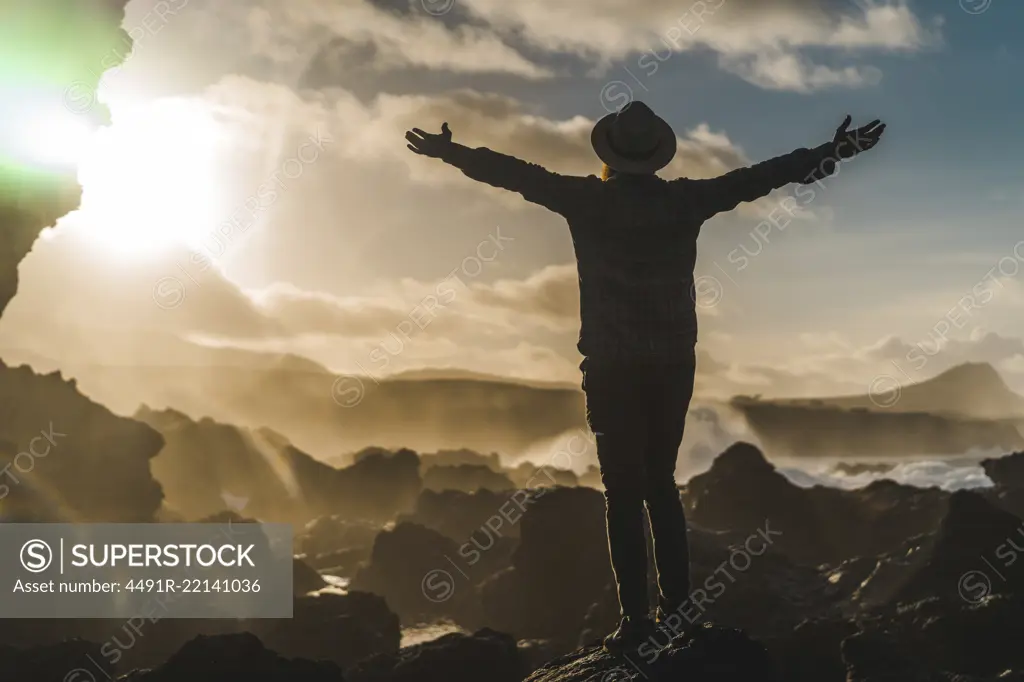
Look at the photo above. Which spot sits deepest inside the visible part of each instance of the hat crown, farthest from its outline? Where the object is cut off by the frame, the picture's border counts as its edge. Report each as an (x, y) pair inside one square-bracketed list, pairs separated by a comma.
[(634, 129), (634, 139)]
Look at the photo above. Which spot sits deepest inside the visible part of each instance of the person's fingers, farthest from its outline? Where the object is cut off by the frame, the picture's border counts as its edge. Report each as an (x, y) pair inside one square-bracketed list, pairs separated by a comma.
[(845, 124), (414, 149), (423, 133), (414, 138), (445, 129)]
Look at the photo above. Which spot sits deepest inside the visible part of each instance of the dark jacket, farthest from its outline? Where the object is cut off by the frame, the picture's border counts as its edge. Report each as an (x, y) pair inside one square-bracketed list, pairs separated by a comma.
[(635, 238)]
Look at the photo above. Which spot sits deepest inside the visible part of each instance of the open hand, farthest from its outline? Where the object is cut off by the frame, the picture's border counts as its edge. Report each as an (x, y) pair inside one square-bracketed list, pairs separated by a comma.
[(849, 143), (430, 144)]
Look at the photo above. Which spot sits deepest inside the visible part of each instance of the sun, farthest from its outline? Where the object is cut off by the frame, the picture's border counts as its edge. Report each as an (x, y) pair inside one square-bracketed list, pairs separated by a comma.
[(150, 181)]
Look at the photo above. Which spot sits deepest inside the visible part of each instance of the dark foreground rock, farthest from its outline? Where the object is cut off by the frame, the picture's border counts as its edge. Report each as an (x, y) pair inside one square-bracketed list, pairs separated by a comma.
[(51, 663), (713, 655), (456, 657), (234, 657)]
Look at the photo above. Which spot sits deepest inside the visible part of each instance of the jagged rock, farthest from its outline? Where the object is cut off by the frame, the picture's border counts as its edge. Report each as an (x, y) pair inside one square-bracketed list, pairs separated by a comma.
[(412, 568), (235, 657), (818, 525), (340, 628), (459, 515), (713, 655), (305, 578), (454, 657), (558, 570), (333, 533), (529, 475), (453, 458), (378, 488), (1007, 470), (204, 464), (466, 478), (50, 663), (330, 542), (939, 639), (958, 561), (74, 459)]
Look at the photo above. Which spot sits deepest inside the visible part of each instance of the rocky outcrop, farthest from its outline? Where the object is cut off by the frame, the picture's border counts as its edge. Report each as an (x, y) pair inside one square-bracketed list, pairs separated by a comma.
[(466, 478), (817, 525), (423, 575), (459, 514), (235, 657), (205, 464), (961, 560), (713, 655), (65, 457), (455, 657), (556, 572), (49, 663), (334, 627)]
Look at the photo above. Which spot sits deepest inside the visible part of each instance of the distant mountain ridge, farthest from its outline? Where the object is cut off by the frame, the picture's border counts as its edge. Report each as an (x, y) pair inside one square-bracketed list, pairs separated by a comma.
[(973, 389)]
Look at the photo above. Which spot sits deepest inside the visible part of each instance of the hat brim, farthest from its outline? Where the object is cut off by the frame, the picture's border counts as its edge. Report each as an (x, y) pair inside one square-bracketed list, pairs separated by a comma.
[(658, 159)]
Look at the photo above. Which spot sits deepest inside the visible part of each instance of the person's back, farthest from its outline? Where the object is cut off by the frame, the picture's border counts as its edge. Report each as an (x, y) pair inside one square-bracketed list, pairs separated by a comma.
[(635, 238), (636, 248)]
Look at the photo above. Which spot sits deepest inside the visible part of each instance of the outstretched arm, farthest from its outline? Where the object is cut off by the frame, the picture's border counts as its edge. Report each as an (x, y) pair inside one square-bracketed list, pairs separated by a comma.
[(537, 184), (805, 166)]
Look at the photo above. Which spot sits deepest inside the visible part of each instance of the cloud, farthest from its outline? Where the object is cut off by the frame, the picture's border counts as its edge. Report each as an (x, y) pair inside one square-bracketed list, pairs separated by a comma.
[(760, 41)]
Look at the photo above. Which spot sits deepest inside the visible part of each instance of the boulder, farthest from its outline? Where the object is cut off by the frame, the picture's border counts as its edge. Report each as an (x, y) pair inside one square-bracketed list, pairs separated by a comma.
[(235, 657)]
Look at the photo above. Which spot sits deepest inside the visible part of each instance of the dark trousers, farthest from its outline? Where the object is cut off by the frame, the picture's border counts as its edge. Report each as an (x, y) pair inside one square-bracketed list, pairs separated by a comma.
[(637, 411)]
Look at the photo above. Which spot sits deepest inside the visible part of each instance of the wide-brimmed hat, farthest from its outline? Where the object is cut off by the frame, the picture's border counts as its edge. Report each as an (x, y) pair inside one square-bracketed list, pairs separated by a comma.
[(634, 140)]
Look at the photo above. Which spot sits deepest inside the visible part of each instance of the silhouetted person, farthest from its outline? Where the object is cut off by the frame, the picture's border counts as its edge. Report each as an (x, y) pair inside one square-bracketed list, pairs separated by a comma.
[(635, 237)]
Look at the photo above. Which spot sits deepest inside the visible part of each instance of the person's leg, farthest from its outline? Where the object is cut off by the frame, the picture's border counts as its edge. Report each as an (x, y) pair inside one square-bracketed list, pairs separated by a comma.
[(673, 388), (616, 417)]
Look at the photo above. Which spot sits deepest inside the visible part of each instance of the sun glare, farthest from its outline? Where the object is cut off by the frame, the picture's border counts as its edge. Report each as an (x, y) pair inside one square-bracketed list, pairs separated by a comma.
[(39, 133), (150, 180)]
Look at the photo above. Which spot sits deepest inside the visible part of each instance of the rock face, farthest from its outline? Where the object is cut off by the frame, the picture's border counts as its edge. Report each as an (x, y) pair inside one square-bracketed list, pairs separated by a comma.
[(49, 663), (713, 655), (235, 657), (205, 464), (465, 477), (818, 525), (333, 627), (68, 458), (454, 657), (558, 570), (98, 468), (35, 45), (459, 514), (417, 570), (959, 561)]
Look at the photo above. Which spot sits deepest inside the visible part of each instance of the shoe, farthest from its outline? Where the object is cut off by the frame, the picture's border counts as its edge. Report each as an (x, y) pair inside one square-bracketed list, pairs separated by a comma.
[(632, 632), (680, 626)]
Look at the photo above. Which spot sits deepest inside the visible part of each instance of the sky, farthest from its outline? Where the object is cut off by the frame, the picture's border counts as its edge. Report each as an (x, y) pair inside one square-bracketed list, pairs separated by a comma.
[(254, 190)]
